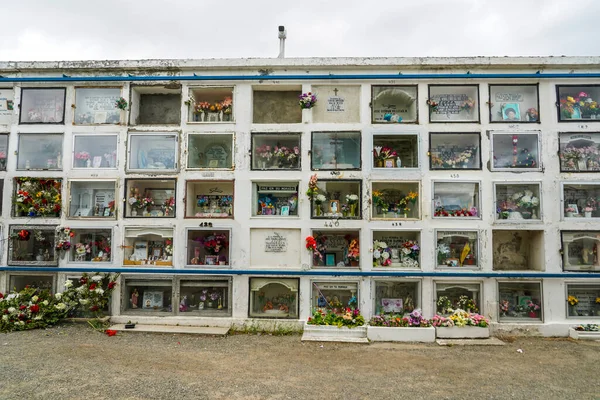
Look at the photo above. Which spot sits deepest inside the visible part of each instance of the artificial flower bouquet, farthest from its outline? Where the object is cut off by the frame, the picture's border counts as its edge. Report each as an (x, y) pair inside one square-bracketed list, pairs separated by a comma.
[(350, 318), (37, 197), (413, 320), (460, 318), (307, 100)]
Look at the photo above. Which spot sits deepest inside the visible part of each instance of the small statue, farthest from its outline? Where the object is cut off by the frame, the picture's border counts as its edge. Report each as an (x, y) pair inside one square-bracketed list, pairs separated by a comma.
[(134, 298)]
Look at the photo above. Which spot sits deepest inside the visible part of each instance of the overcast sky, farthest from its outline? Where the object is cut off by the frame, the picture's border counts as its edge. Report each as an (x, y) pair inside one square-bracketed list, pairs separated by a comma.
[(125, 29)]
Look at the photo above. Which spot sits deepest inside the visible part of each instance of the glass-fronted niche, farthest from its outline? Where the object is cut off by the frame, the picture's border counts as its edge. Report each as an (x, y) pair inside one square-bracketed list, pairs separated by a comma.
[(95, 151), (335, 150), (275, 199), (456, 199), (397, 297), (337, 248), (394, 104), (457, 295), (155, 105), (518, 250), (208, 247), (42, 106), (32, 245), (91, 245), (519, 300), (210, 104), (3, 148), (514, 103), (97, 106), (581, 200), (396, 249), (395, 200), (579, 152), (155, 152), (585, 299), (337, 199), (276, 104), (334, 296), (395, 151), (147, 246), (37, 197), (274, 298), (41, 282), (150, 198), (208, 297), (513, 151), (576, 103), (40, 151), (147, 296), (92, 199), (209, 199), (279, 151), (580, 250), (449, 103), (457, 249), (517, 202), (210, 151), (454, 151)]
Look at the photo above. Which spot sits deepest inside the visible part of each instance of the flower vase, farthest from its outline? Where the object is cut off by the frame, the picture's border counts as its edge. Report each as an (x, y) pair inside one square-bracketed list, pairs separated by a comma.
[(354, 263), (526, 214), (201, 305), (209, 304), (515, 215), (353, 210), (318, 210), (573, 311), (379, 164), (263, 165), (221, 116), (134, 213), (88, 163), (2, 164), (588, 214), (569, 214), (532, 314)]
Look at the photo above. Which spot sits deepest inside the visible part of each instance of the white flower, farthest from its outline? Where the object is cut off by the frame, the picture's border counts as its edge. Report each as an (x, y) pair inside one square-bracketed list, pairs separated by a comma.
[(81, 289), (20, 322), (517, 196), (525, 199), (99, 290), (528, 193), (535, 201), (407, 250), (83, 301), (12, 310), (5, 317), (12, 296), (321, 198), (34, 299), (60, 306), (58, 296), (96, 278), (385, 255), (376, 254), (45, 302), (68, 283), (38, 318)]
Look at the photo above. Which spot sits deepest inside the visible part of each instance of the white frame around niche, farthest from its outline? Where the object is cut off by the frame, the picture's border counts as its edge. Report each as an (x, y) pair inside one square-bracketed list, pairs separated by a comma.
[(208, 135), (476, 267), (100, 264), (374, 133), (189, 112), (491, 134), (94, 135), (392, 230), (562, 204), (520, 221), (479, 206), (174, 170)]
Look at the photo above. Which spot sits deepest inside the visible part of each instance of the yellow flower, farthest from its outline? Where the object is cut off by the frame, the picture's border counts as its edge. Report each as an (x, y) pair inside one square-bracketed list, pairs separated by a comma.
[(572, 300), (38, 194), (598, 300), (412, 195), (570, 99)]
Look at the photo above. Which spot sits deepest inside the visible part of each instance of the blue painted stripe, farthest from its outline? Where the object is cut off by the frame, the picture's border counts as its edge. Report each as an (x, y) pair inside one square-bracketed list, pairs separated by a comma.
[(305, 77), (435, 274)]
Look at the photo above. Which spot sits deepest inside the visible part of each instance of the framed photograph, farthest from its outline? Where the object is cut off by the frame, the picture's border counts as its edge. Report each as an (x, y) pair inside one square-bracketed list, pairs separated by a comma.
[(107, 212), (266, 211), (390, 163), (334, 206), (153, 299), (574, 207), (330, 259), (140, 250), (156, 253), (511, 112), (211, 260), (285, 210)]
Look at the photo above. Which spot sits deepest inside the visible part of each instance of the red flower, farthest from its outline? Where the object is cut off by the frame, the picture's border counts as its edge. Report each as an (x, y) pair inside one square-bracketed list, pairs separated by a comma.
[(94, 308), (83, 280), (22, 307), (112, 284), (110, 332), (34, 308), (22, 316), (311, 243), (92, 286), (23, 234), (1, 296)]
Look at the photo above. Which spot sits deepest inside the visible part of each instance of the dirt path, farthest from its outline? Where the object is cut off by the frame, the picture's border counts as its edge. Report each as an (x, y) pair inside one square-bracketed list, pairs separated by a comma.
[(73, 361)]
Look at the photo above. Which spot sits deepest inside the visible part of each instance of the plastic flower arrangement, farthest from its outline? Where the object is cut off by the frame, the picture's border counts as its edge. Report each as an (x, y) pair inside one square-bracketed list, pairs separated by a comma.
[(121, 104), (532, 114), (572, 300), (352, 198), (63, 238), (313, 189), (587, 328), (444, 305), (569, 209), (214, 243), (316, 244), (460, 318), (504, 306), (433, 105), (441, 212), (227, 104), (216, 107), (350, 318), (320, 199), (532, 307), (353, 250), (381, 254), (36, 197), (466, 303), (82, 155), (468, 105), (169, 205), (413, 320), (264, 153), (307, 100), (169, 246), (201, 107), (583, 102), (311, 244), (453, 159), (597, 300)]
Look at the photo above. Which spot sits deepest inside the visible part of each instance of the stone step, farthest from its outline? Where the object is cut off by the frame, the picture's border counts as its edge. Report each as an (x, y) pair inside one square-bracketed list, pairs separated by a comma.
[(194, 330), (492, 341)]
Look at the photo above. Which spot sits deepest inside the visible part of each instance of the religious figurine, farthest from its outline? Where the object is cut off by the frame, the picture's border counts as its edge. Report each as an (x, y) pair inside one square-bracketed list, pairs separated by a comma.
[(134, 298)]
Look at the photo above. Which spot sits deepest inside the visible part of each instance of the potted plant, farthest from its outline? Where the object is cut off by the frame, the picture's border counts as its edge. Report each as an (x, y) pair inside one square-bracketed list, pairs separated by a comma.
[(569, 212), (573, 301), (347, 326), (397, 328), (588, 212)]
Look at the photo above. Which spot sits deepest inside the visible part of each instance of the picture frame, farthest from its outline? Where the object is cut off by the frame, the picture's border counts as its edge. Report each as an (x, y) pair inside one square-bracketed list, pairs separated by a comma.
[(334, 206), (511, 112), (157, 252), (390, 163), (140, 250), (330, 260), (107, 211), (392, 305), (574, 206), (152, 299), (285, 210), (266, 211), (211, 260)]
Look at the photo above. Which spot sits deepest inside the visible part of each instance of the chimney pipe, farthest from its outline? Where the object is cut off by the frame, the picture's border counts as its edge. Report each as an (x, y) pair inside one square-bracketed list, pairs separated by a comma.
[(282, 36)]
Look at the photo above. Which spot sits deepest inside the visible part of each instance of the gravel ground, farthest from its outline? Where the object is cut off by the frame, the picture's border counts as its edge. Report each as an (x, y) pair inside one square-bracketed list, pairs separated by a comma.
[(75, 362)]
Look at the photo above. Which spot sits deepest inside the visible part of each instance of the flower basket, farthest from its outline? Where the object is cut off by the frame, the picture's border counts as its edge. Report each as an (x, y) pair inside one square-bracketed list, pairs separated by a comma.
[(462, 332), (412, 334)]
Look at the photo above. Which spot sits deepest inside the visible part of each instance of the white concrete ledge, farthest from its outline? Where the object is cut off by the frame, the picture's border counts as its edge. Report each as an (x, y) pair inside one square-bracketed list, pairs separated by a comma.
[(462, 332), (386, 334), (327, 333)]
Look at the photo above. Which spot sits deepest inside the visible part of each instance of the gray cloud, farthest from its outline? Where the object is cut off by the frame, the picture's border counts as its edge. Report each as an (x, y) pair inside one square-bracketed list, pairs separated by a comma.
[(126, 29)]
